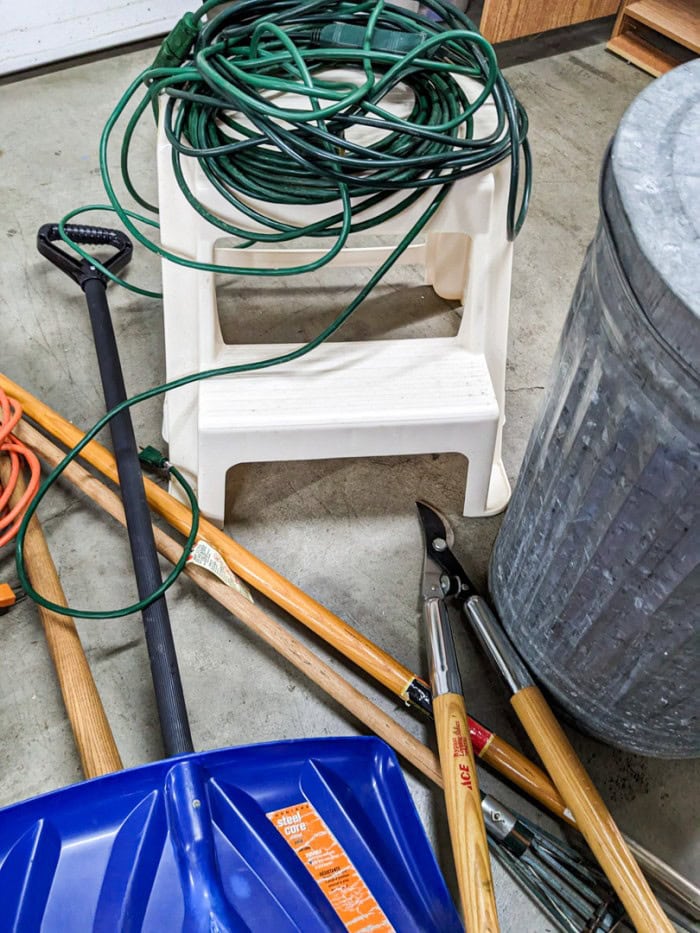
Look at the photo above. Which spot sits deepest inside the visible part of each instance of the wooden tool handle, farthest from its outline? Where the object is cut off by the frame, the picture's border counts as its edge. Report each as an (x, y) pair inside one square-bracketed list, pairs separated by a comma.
[(514, 766), (93, 736), (592, 816), (464, 816)]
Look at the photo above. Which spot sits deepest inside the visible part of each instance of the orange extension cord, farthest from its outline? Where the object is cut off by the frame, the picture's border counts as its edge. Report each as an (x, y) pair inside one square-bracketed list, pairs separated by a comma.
[(19, 453)]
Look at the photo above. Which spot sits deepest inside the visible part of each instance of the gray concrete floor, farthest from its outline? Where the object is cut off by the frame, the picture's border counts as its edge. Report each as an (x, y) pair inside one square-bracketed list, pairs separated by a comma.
[(346, 531)]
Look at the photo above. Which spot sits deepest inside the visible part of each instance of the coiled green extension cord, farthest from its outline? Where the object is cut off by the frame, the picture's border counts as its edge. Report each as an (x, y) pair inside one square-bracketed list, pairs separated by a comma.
[(220, 80)]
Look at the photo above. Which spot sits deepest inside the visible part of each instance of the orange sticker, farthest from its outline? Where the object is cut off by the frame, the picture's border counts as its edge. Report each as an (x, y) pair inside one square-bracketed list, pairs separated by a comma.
[(330, 868)]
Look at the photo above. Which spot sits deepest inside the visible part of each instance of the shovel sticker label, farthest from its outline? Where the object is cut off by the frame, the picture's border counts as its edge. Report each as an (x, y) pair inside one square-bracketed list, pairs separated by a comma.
[(330, 868)]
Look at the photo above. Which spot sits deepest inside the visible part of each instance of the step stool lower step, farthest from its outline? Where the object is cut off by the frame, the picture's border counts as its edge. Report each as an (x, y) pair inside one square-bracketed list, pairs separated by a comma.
[(376, 398)]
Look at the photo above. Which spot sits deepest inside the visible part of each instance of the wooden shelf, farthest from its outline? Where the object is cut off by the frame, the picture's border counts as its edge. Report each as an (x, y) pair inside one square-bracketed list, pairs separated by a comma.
[(640, 26), (641, 53)]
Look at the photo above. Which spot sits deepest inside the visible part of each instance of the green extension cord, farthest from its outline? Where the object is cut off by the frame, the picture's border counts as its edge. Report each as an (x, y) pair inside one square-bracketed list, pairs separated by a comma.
[(211, 73)]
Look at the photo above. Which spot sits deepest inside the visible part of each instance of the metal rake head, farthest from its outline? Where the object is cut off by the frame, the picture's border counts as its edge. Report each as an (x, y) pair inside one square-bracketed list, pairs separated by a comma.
[(566, 884)]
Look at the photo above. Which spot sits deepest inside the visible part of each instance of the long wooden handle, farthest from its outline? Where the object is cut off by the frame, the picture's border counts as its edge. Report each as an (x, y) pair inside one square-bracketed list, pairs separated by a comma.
[(93, 735), (466, 823), (592, 816), (372, 659)]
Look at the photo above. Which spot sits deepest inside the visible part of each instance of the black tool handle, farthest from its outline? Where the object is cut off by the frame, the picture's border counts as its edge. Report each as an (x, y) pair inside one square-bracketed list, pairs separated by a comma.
[(167, 685), (159, 639)]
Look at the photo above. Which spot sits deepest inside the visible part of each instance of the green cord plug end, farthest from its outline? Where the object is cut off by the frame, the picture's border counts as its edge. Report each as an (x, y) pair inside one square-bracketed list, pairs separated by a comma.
[(174, 49), (346, 36), (153, 460)]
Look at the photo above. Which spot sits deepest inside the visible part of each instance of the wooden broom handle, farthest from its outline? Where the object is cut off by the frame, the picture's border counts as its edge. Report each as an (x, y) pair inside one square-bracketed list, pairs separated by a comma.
[(592, 816), (386, 669), (467, 832), (93, 735)]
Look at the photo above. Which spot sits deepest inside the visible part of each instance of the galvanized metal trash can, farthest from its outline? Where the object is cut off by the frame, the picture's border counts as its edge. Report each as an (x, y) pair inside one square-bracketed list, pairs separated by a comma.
[(596, 568)]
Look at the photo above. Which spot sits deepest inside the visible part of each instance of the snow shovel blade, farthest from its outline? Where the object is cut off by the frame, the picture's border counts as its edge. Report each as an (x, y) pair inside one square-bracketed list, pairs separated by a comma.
[(308, 834)]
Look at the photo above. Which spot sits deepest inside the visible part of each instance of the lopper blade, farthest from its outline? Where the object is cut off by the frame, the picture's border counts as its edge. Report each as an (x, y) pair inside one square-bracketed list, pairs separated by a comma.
[(439, 539), (435, 524), (432, 578)]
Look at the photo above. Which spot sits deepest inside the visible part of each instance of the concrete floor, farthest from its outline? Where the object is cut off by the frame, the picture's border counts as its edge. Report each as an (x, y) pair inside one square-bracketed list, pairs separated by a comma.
[(346, 531)]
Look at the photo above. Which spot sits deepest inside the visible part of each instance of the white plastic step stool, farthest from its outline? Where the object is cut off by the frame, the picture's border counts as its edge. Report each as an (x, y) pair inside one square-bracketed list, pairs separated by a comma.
[(344, 399)]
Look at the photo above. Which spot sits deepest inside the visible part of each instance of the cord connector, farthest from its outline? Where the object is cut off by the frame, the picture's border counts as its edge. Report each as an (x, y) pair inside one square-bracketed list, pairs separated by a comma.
[(174, 49), (152, 459), (10, 595), (347, 36)]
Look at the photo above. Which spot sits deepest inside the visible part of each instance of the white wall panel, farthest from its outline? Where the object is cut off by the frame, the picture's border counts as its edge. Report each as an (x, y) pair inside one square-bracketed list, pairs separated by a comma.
[(36, 32)]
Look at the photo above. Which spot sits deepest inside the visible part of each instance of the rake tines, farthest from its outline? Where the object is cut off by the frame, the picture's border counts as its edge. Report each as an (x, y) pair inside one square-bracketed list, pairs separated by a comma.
[(571, 890)]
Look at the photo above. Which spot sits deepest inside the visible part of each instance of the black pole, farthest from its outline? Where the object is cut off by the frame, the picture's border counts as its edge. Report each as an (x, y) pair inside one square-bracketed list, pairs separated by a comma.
[(165, 673), (156, 621)]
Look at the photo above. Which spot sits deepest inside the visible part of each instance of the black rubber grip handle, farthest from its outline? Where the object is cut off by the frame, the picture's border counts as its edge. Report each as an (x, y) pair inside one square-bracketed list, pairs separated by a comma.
[(85, 235)]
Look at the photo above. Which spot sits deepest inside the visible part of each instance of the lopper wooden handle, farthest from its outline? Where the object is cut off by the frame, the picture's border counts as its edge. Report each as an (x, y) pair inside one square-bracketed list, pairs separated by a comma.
[(93, 736), (592, 816), (467, 832)]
